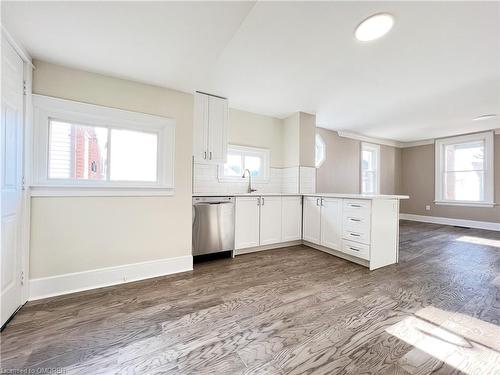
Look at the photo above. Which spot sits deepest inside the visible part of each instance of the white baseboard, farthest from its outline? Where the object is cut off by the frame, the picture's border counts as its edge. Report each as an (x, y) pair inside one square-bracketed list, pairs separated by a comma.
[(448, 221), (267, 247), (76, 282)]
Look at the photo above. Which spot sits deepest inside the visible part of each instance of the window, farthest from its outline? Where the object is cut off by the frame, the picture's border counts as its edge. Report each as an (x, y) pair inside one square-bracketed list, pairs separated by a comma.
[(239, 158), (320, 151), (81, 146), (464, 170), (370, 168)]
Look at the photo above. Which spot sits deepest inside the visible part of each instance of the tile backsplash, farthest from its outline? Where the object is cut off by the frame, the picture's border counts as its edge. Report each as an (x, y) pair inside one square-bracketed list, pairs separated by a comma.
[(281, 180), (307, 180)]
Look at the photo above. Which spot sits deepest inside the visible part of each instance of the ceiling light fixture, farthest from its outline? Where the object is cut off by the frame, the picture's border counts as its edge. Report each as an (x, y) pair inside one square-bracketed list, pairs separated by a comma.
[(484, 117), (374, 27)]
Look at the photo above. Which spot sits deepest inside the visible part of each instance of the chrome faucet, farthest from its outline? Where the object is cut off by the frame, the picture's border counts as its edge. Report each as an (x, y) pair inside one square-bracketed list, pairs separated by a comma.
[(249, 190)]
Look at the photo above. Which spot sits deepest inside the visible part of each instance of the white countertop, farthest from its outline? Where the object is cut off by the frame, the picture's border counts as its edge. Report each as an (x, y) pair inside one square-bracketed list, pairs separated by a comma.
[(326, 195), (357, 196), (255, 194)]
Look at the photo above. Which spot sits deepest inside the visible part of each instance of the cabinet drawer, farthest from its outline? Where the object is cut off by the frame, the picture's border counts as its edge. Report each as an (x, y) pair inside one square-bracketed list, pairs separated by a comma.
[(356, 223), (362, 236), (356, 249), (357, 208)]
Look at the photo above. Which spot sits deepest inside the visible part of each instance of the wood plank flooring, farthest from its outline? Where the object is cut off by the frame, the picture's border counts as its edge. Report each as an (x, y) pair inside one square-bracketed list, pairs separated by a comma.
[(287, 311)]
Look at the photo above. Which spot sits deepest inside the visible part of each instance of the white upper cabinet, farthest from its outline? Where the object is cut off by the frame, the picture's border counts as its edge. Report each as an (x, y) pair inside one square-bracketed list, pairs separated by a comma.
[(312, 220), (246, 226), (200, 131), (331, 222), (210, 128), (217, 129), (291, 218), (270, 220)]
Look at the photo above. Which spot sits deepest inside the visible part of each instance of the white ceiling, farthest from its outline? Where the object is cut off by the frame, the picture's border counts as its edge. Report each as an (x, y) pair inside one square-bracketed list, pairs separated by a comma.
[(435, 71)]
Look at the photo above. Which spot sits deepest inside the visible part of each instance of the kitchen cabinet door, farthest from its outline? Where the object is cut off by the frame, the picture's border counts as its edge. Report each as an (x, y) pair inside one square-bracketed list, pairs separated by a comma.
[(200, 130), (331, 223), (291, 218), (312, 220), (217, 129), (270, 220), (246, 224)]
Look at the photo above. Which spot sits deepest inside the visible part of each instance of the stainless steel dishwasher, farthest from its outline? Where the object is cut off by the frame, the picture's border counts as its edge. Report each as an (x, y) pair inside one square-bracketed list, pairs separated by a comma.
[(213, 225)]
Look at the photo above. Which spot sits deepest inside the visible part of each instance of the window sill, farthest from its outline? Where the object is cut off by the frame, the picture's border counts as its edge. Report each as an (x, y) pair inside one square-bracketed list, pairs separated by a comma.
[(465, 204), (88, 191)]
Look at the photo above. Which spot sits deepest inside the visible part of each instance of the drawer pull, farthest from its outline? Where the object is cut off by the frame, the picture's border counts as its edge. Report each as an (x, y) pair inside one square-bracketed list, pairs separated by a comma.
[(355, 205), (354, 249), (356, 220), (354, 234)]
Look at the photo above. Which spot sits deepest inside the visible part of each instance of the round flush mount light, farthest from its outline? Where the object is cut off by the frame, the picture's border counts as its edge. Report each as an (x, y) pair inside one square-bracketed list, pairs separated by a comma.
[(484, 117), (374, 27)]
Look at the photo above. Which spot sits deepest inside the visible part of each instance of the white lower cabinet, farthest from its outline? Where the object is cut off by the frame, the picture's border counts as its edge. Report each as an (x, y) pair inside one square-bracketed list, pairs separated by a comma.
[(246, 225), (331, 222), (323, 221), (291, 218), (270, 220), (312, 220), (267, 220), (365, 231)]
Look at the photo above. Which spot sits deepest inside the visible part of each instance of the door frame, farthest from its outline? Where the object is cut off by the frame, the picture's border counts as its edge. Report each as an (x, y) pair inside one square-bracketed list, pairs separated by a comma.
[(27, 162)]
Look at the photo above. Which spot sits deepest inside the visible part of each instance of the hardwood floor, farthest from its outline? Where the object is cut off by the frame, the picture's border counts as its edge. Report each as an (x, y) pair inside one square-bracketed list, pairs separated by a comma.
[(287, 311)]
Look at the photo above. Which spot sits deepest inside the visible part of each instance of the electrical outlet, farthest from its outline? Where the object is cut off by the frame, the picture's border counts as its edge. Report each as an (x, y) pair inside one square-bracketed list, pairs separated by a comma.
[(428, 208)]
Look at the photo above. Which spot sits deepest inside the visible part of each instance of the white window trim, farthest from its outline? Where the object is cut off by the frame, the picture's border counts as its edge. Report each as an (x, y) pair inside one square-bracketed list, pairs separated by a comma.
[(321, 140), (265, 153), (46, 108), (376, 148), (488, 137)]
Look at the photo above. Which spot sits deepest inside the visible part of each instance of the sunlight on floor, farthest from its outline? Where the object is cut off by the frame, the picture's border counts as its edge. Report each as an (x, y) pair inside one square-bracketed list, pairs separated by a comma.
[(480, 241), (463, 342)]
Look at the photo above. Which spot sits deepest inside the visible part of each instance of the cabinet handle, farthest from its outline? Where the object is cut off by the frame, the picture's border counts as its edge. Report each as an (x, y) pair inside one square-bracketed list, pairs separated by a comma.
[(354, 234), (205, 155), (356, 220), (210, 155), (258, 201), (262, 200), (354, 249), (317, 201), (355, 205), (321, 202)]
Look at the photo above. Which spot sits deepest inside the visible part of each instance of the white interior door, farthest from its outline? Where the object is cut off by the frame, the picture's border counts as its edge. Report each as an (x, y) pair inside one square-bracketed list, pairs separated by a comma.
[(331, 223), (270, 220), (312, 220), (11, 181)]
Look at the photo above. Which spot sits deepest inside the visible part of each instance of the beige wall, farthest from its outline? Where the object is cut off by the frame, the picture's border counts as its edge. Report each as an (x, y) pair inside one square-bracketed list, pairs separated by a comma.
[(390, 170), (77, 234), (250, 129), (340, 172), (307, 135), (417, 179), (299, 131), (291, 141)]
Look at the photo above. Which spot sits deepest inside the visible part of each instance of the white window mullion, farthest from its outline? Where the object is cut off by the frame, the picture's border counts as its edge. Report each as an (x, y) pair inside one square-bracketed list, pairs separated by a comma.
[(226, 172), (138, 146), (464, 170), (370, 168), (108, 156)]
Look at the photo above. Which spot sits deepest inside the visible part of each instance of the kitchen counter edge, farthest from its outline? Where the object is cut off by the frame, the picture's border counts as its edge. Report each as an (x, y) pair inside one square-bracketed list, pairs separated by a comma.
[(324, 195)]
